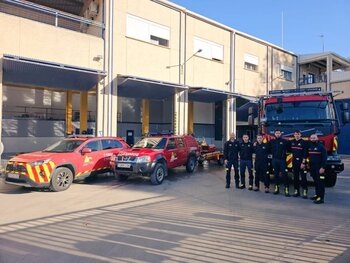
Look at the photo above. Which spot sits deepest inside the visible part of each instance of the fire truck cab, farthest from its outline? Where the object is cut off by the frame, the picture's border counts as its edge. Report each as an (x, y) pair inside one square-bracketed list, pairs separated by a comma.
[(311, 111)]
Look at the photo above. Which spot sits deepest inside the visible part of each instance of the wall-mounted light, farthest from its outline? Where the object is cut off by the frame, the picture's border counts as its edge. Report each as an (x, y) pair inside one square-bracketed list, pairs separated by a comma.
[(97, 58)]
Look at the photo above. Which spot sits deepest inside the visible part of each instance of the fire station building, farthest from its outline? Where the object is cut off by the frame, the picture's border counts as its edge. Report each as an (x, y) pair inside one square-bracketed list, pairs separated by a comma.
[(127, 68)]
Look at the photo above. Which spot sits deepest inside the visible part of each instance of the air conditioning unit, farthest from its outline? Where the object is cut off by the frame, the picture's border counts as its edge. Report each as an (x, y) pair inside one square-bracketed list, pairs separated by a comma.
[(92, 10)]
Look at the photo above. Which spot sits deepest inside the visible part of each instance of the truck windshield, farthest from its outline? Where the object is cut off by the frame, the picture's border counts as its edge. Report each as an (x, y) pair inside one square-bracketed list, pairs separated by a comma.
[(151, 143), (64, 146), (298, 111)]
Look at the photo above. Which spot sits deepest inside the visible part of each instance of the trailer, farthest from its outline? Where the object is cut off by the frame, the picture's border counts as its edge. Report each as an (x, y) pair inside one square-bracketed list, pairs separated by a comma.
[(210, 153)]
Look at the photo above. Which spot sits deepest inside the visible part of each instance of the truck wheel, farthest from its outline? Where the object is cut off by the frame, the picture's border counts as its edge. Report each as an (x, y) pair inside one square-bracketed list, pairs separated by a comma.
[(61, 179), (160, 171), (330, 180), (191, 164), (221, 160), (122, 177)]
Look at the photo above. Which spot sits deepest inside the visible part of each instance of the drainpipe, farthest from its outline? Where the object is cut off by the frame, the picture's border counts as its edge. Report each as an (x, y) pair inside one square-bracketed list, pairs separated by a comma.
[(185, 93), (297, 73), (233, 81), (267, 70), (272, 68), (104, 69), (110, 67)]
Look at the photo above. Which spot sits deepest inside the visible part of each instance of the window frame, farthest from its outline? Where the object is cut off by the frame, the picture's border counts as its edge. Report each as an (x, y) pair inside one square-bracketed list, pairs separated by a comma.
[(149, 29)]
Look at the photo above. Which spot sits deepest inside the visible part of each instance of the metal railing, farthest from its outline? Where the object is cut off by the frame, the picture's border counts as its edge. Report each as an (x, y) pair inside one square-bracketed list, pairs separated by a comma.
[(41, 113), (311, 79), (51, 16)]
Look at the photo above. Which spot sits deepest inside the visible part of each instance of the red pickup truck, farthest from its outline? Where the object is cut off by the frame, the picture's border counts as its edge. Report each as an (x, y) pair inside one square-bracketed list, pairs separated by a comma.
[(58, 165), (153, 156)]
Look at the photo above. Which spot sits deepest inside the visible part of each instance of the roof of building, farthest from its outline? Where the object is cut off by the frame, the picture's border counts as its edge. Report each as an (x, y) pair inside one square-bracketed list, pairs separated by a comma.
[(307, 58)]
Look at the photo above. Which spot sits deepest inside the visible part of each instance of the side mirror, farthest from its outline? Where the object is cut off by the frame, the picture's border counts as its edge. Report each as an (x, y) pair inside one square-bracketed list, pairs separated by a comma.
[(344, 106), (251, 120), (86, 150), (250, 110), (345, 117)]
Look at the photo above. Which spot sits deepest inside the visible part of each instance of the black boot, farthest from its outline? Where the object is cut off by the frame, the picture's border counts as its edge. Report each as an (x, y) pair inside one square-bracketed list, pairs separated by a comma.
[(296, 193), (277, 190), (286, 191)]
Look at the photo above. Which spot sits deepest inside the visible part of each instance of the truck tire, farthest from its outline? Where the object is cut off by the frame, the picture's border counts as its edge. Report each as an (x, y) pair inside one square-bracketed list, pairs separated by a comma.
[(330, 179), (191, 164), (159, 173), (122, 177), (61, 179)]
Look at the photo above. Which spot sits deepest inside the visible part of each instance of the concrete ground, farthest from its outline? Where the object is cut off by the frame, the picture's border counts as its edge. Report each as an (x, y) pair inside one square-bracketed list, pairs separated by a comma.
[(189, 218)]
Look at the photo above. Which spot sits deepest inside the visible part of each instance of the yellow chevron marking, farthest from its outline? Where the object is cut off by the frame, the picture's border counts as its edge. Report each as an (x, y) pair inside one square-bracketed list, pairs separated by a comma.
[(30, 172), (47, 172), (37, 169), (335, 144), (52, 164), (289, 159)]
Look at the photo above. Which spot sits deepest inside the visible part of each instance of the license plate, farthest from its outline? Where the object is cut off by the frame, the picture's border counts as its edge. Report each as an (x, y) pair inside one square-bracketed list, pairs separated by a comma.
[(13, 176), (123, 165)]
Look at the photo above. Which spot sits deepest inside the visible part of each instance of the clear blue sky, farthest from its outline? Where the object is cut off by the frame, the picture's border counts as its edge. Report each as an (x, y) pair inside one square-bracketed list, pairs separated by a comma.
[(304, 21)]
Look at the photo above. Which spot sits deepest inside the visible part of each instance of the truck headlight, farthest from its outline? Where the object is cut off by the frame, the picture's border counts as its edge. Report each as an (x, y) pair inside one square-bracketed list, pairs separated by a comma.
[(143, 159), (36, 163)]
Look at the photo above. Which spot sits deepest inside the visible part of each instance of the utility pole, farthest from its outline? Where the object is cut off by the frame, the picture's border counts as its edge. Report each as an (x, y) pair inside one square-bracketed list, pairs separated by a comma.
[(322, 40), (282, 29)]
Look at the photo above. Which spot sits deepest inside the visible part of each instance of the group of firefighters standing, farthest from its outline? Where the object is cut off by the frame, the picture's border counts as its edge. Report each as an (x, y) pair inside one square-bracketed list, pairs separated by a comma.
[(242, 151)]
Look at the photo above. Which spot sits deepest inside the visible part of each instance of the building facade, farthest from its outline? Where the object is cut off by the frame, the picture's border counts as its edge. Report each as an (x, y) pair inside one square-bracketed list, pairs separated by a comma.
[(126, 68), (330, 72)]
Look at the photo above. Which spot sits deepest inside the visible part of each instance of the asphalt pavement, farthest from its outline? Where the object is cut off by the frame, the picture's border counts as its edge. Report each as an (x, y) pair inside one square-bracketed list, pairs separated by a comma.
[(189, 218)]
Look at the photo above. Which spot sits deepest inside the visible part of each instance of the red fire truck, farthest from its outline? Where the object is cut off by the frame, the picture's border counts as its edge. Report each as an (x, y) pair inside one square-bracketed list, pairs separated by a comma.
[(311, 111)]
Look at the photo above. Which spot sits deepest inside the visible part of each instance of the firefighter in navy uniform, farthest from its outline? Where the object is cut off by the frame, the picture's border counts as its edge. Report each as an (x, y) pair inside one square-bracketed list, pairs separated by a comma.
[(261, 164), (279, 148), (231, 149), (298, 149), (317, 160), (246, 161)]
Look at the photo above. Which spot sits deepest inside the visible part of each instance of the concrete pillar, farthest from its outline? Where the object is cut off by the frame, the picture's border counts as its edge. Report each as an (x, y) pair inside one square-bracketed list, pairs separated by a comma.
[(69, 112), (101, 111), (329, 72), (176, 114), (83, 111), (145, 116), (1, 100), (180, 113), (190, 117)]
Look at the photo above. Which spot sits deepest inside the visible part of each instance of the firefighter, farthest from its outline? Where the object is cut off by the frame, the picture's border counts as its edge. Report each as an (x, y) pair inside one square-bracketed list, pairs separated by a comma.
[(231, 149), (298, 149), (317, 156), (261, 150), (246, 161), (279, 147)]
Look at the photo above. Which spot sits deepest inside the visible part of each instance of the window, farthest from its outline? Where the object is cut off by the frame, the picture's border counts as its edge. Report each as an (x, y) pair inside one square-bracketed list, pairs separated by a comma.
[(171, 144), (250, 66), (147, 31), (209, 49), (310, 78), (287, 72), (93, 145), (111, 144), (180, 142), (251, 62)]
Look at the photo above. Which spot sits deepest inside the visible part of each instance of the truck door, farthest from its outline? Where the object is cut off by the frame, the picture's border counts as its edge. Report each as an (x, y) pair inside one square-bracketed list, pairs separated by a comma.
[(171, 153), (92, 161), (182, 151)]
